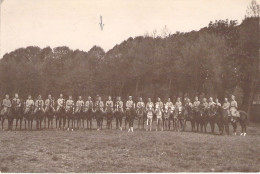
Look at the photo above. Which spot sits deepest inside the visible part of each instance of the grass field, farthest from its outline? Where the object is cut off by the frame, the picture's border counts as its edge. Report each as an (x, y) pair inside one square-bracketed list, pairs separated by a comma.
[(116, 151)]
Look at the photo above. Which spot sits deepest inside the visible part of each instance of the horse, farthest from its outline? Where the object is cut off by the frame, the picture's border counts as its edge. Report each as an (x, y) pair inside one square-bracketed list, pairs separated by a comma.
[(119, 118), (202, 119), (79, 115), (99, 117), (109, 116), (222, 120), (7, 114), (149, 115), (189, 116), (39, 114), (181, 119), (29, 115), (89, 116), (166, 119), (159, 115), (140, 112), (49, 114), (70, 116), (175, 118), (242, 119), (18, 114), (60, 117), (212, 117)]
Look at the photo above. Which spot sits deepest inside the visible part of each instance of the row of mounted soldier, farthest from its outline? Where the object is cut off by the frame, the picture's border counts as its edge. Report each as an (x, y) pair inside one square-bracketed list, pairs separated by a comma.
[(77, 112)]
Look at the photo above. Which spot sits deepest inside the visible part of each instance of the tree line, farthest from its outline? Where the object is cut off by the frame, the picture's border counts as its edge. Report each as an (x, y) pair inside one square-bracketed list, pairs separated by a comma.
[(218, 60)]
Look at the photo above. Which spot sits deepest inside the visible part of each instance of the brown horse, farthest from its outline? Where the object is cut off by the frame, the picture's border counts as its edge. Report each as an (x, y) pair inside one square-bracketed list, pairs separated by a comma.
[(202, 119), (29, 115), (189, 116), (242, 119), (140, 112), (109, 117), (166, 119)]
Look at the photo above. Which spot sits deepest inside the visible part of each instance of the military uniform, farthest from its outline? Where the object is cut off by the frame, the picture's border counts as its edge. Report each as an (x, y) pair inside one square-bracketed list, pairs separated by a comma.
[(99, 106), (109, 105), (205, 105), (60, 103), (168, 105), (119, 106), (88, 105), (130, 104), (39, 105), (16, 102), (69, 105), (79, 106), (218, 104), (196, 105), (178, 105), (6, 106), (211, 104), (28, 104), (226, 106), (49, 104), (233, 109), (159, 110), (159, 104), (140, 105), (150, 110)]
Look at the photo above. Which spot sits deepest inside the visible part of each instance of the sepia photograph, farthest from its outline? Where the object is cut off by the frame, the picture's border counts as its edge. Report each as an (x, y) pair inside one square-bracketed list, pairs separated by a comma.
[(129, 86)]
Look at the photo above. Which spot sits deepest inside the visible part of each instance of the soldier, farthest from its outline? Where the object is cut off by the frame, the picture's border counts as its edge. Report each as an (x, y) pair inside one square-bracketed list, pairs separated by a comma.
[(159, 103), (6, 105), (99, 109), (49, 110), (217, 102), (28, 104), (69, 109), (119, 113), (196, 104), (130, 106), (150, 111), (89, 111), (39, 104), (204, 104), (140, 109), (178, 104), (226, 106), (233, 107), (79, 105), (188, 103), (60, 102), (211, 102), (168, 104), (109, 104), (16, 101)]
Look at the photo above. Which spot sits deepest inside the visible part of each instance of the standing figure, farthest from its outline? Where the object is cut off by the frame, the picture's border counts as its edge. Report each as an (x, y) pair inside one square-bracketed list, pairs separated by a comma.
[(168, 114), (119, 111), (196, 111), (61, 115), (150, 112)]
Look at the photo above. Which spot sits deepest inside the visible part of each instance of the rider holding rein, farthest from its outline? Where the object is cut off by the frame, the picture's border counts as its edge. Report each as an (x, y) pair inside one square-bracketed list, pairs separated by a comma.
[(16, 101), (211, 103), (6, 105), (233, 107)]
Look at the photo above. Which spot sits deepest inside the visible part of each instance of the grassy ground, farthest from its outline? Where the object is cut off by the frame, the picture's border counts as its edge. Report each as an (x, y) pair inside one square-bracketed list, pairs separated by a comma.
[(116, 151)]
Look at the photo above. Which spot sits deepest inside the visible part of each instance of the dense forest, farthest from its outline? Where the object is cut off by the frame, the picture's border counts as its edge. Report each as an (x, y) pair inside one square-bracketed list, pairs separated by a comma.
[(218, 60)]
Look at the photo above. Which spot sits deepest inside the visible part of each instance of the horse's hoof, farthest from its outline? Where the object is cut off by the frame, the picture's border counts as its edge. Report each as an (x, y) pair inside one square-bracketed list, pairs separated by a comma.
[(244, 134), (241, 134), (72, 130)]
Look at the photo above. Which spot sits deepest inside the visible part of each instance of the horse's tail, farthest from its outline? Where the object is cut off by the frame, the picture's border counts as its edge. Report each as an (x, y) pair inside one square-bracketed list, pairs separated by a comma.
[(241, 112)]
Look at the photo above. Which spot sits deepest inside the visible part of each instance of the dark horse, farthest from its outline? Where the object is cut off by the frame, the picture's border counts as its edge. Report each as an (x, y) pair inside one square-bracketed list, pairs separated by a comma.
[(99, 117), (7, 114), (202, 119), (166, 119), (213, 117), (61, 117), (39, 114), (49, 114), (222, 120), (119, 117), (140, 112), (17, 112), (29, 115), (70, 116), (109, 117), (242, 119), (89, 117), (129, 117), (188, 116)]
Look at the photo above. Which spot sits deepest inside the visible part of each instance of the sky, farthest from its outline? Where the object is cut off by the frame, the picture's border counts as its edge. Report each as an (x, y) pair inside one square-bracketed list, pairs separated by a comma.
[(75, 23)]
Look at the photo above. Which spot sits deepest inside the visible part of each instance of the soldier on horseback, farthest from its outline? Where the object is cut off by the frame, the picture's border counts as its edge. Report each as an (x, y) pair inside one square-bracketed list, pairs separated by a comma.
[(79, 111), (130, 114), (158, 112), (119, 110), (233, 108), (17, 112), (89, 112), (218, 104), (5, 112), (99, 109), (140, 110), (109, 112), (150, 112), (38, 111), (61, 111), (49, 110), (69, 109), (211, 103), (28, 112)]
